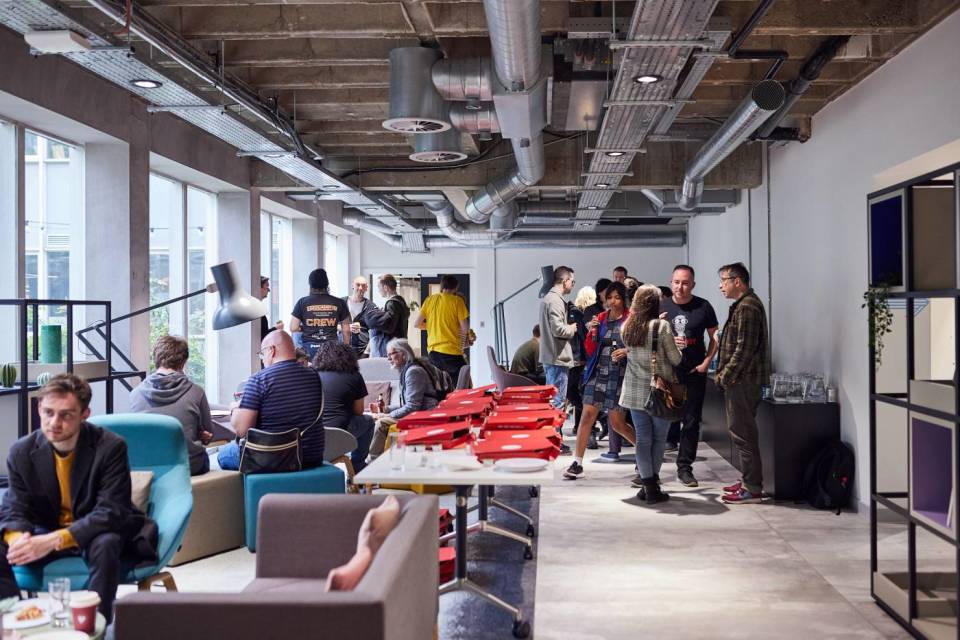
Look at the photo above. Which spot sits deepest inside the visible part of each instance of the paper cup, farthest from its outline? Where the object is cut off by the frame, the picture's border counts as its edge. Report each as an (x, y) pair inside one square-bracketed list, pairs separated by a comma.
[(83, 605)]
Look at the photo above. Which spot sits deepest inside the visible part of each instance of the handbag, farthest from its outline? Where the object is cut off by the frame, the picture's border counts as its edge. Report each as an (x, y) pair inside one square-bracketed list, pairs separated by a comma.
[(667, 398), (275, 451)]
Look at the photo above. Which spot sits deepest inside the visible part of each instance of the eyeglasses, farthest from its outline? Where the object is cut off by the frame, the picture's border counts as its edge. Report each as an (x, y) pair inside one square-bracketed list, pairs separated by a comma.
[(261, 353), (725, 278), (391, 354)]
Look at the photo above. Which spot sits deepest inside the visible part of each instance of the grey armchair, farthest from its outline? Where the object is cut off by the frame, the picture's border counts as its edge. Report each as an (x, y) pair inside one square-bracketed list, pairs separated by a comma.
[(300, 538), (504, 378)]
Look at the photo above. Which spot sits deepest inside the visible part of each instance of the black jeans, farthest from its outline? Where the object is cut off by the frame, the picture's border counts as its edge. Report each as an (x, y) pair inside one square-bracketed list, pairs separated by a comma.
[(742, 400), (102, 556), (449, 363), (687, 429)]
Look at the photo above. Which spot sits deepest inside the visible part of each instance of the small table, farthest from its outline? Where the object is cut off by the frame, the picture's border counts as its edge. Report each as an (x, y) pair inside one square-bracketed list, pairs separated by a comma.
[(379, 471), (97, 634)]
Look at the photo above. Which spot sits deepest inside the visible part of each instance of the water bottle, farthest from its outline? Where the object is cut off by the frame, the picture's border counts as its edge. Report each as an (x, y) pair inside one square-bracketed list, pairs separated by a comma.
[(381, 404)]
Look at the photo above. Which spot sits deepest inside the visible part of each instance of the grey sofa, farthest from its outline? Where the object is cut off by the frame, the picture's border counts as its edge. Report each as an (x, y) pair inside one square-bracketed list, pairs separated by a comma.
[(300, 538)]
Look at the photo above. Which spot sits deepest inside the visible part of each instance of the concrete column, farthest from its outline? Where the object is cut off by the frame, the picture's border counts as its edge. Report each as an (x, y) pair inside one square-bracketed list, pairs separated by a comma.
[(10, 229), (307, 255), (117, 211), (238, 241)]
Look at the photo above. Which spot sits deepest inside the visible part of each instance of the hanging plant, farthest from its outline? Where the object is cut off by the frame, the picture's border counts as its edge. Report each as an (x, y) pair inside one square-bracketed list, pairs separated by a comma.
[(877, 302)]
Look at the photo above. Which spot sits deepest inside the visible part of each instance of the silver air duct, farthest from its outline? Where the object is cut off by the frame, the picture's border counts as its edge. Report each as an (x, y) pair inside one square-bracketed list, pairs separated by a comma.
[(475, 117), (520, 98), (765, 98), (465, 79), (438, 148), (472, 235), (415, 104)]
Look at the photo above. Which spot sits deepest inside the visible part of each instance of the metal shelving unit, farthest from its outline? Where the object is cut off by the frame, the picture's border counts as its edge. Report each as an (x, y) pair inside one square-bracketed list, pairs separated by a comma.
[(29, 351), (899, 503)]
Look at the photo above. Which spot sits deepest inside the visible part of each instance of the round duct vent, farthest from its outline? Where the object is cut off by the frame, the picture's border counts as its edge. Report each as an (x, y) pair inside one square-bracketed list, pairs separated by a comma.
[(415, 125), (438, 157), (415, 105), (438, 148)]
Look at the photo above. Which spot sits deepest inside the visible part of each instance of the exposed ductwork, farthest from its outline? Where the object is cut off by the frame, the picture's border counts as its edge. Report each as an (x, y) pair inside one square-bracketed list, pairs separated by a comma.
[(415, 104), (472, 118), (810, 71), (464, 79), (438, 148), (520, 98), (765, 98)]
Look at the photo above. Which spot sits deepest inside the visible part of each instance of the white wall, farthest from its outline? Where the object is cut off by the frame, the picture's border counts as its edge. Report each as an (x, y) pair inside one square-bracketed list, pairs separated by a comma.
[(817, 215), (495, 274)]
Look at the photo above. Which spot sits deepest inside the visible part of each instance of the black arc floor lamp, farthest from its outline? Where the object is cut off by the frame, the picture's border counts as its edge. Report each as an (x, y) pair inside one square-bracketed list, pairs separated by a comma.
[(236, 307), (499, 319)]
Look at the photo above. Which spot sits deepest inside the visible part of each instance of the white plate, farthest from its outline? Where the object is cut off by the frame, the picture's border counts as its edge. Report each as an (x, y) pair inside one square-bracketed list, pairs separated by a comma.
[(10, 619), (521, 465), (462, 463), (61, 634)]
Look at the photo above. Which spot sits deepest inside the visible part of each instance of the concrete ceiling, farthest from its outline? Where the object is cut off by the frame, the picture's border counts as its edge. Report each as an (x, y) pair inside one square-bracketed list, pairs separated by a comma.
[(326, 63)]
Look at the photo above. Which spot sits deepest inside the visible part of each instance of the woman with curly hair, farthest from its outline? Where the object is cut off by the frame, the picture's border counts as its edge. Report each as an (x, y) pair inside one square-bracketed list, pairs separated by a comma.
[(343, 395), (651, 432)]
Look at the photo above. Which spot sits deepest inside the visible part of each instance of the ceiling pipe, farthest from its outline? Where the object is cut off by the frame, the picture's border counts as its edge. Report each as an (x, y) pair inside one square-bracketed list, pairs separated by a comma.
[(514, 27), (764, 99), (144, 26), (479, 117), (809, 72), (467, 234), (464, 79)]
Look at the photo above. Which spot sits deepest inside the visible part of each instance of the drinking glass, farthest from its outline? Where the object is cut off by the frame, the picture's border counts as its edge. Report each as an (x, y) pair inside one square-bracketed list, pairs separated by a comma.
[(426, 458), (816, 390), (398, 450), (795, 389), (779, 383), (59, 590)]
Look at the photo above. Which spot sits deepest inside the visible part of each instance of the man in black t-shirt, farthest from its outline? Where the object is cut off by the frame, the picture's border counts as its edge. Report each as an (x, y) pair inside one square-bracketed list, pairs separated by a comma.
[(319, 314), (690, 318)]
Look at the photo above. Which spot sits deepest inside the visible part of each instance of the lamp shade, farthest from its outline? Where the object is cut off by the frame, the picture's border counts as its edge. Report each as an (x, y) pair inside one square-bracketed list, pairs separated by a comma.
[(236, 305), (546, 279)]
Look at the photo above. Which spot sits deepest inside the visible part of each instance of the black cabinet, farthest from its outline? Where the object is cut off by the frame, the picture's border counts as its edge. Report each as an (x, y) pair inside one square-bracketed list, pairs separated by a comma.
[(790, 435)]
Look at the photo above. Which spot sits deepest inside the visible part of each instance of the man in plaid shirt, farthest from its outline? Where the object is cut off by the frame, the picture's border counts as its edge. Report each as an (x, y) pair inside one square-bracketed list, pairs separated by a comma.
[(743, 368)]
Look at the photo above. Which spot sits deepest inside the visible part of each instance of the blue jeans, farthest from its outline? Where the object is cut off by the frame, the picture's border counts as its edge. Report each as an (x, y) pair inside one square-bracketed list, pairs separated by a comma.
[(651, 442), (557, 376), (361, 427), (228, 456)]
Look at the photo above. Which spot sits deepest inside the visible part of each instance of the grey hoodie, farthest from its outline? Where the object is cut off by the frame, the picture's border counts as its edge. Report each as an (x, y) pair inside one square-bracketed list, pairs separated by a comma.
[(173, 394)]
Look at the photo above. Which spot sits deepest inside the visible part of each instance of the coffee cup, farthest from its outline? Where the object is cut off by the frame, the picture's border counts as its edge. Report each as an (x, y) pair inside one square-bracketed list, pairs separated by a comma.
[(83, 605)]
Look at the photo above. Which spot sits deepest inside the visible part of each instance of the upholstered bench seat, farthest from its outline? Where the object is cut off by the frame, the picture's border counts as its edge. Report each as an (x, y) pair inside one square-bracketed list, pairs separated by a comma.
[(216, 524)]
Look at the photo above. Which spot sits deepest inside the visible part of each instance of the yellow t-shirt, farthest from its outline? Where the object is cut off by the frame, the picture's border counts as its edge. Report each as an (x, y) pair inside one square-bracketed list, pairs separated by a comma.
[(444, 312), (63, 466)]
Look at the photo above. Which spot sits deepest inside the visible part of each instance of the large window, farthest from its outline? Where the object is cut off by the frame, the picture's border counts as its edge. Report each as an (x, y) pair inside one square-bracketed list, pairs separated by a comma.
[(334, 263), (182, 249), (276, 263), (53, 238), (8, 239)]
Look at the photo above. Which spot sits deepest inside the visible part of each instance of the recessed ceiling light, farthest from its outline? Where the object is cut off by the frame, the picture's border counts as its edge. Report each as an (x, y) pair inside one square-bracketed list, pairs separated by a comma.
[(592, 208), (647, 78), (146, 83), (615, 154), (603, 185), (473, 106)]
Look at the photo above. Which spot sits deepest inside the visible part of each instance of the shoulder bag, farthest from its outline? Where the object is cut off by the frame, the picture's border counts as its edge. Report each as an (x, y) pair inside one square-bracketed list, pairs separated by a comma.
[(666, 398), (275, 451)]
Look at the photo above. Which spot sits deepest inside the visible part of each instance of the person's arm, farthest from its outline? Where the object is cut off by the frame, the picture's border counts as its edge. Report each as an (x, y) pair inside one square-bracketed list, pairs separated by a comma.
[(205, 425), (358, 407), (711, 350), (14, 512), (296, 317), (244, 417), (669, 347), (294, 324), (416, 385), (748, 330), (420, 320), (464, 332), (557, 319), (113, 505)]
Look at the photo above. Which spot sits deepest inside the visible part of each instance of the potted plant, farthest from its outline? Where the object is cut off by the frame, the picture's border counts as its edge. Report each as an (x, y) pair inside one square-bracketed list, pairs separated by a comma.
[(880, 319)]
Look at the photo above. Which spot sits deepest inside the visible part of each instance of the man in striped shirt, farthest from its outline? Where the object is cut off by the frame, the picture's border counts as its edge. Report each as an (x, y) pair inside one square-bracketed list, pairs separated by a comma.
[(281, 396)]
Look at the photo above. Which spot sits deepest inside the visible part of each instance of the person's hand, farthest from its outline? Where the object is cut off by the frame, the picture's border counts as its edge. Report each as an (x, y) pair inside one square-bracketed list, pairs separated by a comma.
[(278, 325), (680, 341), (593, 324), (234, 405), (618, 355), (29, 548), (354, 327), (702, 367), (205, 437)]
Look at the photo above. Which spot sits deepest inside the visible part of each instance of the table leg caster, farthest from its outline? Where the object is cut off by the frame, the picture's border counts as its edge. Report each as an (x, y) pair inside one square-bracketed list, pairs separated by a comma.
[(521, 629), (531, 531), (528, 553)]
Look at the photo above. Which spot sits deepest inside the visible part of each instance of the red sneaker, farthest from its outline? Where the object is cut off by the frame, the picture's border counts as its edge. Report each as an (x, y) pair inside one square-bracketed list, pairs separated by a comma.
[(742, 497), (734, 488)]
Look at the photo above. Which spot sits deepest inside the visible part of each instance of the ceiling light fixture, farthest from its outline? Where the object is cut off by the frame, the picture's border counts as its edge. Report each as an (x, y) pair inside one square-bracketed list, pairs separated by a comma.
[(647, 78), (615, 154), (592, 208), (146, 83), (603, 185)]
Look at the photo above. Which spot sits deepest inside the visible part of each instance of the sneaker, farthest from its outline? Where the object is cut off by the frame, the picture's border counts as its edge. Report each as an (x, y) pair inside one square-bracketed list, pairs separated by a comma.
[(607, 457), (734, 488), (574, 471), (637, 482), (743, 497), (565, 450), (685, 476), (592, 443), (672, 447)]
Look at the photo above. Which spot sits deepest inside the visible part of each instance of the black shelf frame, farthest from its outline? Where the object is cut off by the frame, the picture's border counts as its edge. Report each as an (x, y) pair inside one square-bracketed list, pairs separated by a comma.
[(889, 500), (29, 350)]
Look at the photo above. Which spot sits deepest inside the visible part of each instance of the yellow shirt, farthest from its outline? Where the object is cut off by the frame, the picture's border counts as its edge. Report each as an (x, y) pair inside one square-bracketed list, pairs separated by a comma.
[(63, 465), (444, 313)]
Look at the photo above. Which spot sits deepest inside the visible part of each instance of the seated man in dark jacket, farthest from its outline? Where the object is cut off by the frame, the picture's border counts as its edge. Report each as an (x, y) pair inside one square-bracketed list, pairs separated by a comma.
[(526, 360), (70, 495)]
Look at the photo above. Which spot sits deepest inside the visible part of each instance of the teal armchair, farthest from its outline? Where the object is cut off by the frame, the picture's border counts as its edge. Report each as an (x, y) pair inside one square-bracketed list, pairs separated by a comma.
[(154, 443)]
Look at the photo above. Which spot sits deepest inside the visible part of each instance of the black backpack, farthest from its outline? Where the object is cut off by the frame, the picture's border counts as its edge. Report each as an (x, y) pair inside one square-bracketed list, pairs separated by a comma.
[(439, 379), (828, 478)]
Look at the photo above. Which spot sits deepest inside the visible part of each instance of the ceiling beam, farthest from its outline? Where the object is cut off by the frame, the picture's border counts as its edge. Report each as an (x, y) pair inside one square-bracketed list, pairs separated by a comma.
[(295, 52), (829, 17), (362, 77), (837, 71), (370, 127)]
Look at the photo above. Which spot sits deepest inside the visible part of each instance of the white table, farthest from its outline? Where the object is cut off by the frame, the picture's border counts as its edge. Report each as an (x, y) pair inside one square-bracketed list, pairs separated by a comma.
[(379, 471)]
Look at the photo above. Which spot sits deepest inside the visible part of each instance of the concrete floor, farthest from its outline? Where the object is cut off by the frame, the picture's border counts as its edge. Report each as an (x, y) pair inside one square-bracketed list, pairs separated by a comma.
[(609, 567)]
